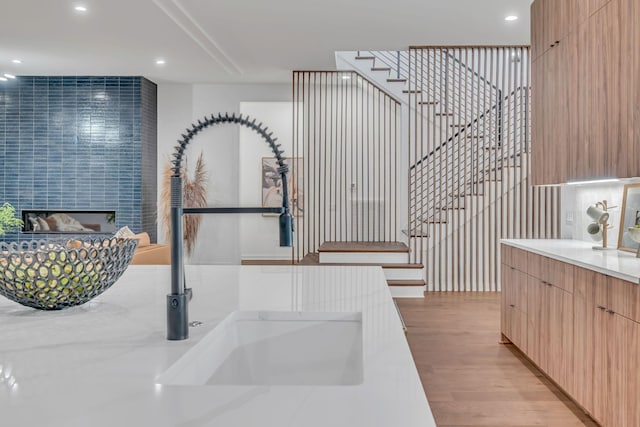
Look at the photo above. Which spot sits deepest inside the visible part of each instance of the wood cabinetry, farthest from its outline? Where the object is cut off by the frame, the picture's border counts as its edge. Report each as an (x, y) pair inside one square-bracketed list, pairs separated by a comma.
[(582, 329), (584, 101)]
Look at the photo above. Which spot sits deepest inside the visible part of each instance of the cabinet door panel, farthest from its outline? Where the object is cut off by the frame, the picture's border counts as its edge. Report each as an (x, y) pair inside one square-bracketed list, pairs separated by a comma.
[(625, 298), (607, 106), (505, 302), (560, 335), (631, 10), (537, 321), (601, 351), (519, 329), (538, 28), (623, 372), (583, 337)]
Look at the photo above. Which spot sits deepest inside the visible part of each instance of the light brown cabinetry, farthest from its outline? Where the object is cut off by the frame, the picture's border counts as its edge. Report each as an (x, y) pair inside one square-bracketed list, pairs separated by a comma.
[(514, 301), (582, 329), (584, 101)]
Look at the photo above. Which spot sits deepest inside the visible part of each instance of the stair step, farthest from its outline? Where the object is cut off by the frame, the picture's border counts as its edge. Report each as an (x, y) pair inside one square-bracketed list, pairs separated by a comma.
[(417, 233), (428, 102), (365, 57), (380, 68), (363, 252), (457, 125), (408, 265), (406, 282), (411, 91), (363, 247), (397, 80), (444, 114)]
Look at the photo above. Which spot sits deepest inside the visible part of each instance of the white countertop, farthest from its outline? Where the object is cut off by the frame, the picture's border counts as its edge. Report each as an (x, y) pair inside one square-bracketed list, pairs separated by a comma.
[(97, 364), (620, 264)]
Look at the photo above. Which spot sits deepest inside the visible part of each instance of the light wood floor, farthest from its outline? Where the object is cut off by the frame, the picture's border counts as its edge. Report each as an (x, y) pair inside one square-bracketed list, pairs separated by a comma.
[(469, 378)]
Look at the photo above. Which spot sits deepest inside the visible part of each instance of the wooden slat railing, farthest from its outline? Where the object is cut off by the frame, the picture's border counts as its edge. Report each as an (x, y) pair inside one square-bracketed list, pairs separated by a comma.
[(470, 189), (347, 133)]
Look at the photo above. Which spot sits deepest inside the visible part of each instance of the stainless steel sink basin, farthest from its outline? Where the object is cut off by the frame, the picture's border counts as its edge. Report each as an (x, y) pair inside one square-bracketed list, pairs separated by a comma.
[(275, 348)]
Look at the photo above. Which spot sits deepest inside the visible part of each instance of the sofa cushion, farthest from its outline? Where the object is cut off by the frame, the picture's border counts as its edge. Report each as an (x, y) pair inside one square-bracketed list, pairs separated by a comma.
[(143, 239)]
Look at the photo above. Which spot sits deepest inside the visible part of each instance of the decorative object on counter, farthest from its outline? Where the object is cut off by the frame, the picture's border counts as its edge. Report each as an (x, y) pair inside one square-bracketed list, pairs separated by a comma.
[(595, 231), (55, 274), (8, 219), (194, 193), (178, 299), (598, 212), (629, 219)]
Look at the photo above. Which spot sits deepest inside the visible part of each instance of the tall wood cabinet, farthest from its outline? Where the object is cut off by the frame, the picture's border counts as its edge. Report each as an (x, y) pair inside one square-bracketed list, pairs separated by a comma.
[(585, 97), (580, 327)]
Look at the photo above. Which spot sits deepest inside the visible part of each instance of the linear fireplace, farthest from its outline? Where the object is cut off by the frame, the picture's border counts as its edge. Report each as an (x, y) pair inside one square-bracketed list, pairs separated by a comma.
[(69, 221)]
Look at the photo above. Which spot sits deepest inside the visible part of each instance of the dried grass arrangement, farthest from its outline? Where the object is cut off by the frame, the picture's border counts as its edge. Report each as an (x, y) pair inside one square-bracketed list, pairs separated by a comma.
[(194, 195)]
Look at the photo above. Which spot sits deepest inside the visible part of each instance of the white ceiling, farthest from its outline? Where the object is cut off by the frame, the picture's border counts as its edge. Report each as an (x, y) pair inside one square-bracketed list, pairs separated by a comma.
[(216, 41)]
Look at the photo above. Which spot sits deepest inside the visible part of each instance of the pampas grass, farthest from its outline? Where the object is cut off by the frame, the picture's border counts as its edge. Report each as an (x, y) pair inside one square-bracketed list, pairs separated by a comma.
[(194, 195)]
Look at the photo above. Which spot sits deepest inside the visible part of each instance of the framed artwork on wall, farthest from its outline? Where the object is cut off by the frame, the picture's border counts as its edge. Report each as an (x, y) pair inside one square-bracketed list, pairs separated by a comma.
[(629, 218), (272, 184)]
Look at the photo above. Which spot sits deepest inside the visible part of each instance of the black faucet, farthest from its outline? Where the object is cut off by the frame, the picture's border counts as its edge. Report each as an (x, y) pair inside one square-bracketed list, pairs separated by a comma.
[(178, 299)]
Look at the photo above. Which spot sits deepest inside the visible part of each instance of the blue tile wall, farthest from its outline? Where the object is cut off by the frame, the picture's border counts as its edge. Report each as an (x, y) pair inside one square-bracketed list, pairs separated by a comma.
[(75, 143)]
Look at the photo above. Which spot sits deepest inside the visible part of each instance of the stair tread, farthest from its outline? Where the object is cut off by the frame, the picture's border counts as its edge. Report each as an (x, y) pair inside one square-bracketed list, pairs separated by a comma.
[(428, 102), (396, 80), (411, 91), (444, 114), (363, 247), (406, 282), (380, 68), (365, 57), (417, 233)]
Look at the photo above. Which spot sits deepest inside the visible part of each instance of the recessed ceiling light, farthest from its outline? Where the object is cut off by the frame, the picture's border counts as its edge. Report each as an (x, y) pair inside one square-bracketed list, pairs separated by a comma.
[(2, 79), (9, 76), (160, 62), (16, 61), (80, 8), (511, 18)]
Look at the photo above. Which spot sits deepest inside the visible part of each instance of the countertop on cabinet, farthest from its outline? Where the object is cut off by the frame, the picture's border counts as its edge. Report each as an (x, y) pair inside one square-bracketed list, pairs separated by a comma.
[(98, 364), (620, 264)]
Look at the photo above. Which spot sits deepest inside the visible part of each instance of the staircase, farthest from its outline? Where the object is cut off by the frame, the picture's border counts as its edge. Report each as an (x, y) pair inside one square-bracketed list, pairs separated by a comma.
[(404, 279), (468, 140)]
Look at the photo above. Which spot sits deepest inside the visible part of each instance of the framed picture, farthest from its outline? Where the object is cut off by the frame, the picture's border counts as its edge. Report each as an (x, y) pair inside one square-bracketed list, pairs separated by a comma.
[(630, 217), (272, 184)]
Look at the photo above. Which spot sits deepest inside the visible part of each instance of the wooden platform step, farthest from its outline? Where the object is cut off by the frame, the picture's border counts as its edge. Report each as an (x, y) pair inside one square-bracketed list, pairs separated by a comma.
[(407, 288), (363, 247), (406, 282)]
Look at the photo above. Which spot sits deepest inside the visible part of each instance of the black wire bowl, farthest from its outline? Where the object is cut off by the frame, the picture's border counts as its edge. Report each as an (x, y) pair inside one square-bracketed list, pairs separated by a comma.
[(56, 274)]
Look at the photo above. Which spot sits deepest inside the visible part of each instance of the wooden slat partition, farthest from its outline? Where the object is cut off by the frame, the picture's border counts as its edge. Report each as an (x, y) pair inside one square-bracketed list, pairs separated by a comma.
[(347, 132), (469, 156)]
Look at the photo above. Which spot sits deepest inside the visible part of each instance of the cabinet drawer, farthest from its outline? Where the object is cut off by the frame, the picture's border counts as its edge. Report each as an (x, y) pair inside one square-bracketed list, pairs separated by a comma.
[(519, 259), (505, 255), (551, 271), (624, 298)]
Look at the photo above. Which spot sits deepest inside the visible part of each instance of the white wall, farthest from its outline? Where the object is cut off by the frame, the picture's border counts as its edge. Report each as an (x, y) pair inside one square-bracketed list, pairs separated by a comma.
[(179, 106)]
